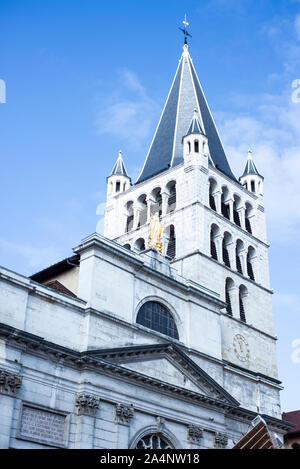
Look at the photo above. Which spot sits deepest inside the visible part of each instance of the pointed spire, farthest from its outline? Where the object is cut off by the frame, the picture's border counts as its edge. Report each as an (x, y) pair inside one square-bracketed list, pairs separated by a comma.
[(250, 167), (119, 167), (195, 126), (166, 149)]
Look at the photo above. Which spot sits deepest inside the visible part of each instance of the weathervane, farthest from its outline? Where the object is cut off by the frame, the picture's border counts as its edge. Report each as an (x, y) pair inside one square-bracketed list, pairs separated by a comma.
[(184, 30)]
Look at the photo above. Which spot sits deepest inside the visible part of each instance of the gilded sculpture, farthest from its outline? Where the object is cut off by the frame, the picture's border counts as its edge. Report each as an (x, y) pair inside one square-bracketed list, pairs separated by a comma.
[(155, 233)]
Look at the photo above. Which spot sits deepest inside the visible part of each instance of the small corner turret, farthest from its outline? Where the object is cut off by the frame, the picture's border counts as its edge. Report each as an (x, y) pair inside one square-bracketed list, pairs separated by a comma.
[(118, 180), (195, 142), (251, 179)]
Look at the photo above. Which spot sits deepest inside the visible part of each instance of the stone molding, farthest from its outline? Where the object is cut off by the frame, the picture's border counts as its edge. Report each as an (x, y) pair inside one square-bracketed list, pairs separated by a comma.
[(9, 383), (124, 414), (87, 404), (194, 433)]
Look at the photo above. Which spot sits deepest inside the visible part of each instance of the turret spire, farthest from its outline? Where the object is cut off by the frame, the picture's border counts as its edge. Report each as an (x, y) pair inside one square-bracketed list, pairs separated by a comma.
[(119, 167), (250, 167)]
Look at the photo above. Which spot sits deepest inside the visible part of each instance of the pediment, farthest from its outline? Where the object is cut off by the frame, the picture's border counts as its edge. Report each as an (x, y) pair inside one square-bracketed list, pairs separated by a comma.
[(169, 365)]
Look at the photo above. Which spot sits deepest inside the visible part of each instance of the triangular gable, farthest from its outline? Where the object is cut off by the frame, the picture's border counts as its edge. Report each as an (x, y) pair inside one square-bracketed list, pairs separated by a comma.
[(166, 363)]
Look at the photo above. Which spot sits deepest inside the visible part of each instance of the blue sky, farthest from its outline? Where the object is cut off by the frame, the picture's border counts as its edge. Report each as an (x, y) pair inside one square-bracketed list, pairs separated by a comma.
[(87, 78)]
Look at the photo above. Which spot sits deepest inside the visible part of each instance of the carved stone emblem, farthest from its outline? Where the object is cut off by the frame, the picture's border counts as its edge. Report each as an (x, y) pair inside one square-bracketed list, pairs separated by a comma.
[(194, 433), (221, 440), (241, 348), (160, 422), (9, 383), (86, 404), (124, 413)]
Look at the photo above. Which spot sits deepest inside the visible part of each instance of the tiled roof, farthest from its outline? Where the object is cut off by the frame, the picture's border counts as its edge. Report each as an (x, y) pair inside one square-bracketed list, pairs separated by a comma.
[(293, 417), (56, 285), (55, 269)]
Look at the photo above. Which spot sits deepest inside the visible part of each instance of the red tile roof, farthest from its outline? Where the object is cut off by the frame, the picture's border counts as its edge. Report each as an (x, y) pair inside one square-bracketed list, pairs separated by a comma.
[(293, 417)]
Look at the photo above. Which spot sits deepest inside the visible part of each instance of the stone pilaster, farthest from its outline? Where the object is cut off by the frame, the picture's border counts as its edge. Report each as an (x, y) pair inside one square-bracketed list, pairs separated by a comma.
[(123, 416), (9, 386), (86, 407)]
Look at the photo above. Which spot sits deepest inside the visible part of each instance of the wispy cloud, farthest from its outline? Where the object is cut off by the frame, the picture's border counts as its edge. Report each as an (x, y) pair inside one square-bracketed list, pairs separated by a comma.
[(128, 111), (273, 132), (34, 257)]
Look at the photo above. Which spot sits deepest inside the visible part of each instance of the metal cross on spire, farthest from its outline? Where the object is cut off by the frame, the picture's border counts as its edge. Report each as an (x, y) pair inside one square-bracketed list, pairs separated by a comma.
[(185, 30)]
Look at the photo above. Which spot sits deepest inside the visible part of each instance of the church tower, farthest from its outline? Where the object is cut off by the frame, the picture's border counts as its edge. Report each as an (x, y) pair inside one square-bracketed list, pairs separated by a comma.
[(213, 225)]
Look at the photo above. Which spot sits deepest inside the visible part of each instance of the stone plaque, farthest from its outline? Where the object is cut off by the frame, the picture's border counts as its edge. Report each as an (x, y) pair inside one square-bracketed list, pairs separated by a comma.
[(43, 426)]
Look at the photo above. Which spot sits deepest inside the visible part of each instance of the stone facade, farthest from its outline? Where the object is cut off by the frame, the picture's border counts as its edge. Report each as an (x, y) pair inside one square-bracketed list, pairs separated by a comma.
[(81, 372)]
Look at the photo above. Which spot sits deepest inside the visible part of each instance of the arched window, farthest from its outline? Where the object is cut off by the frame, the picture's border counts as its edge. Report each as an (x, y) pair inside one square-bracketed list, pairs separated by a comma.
[(242, 298), (189, 147), (196, 146), (212, 189), (250, 255), (142, 210), (226, 241), (248, 214), (139, 245), (153, 441), (157, 205), (171, 188), (155, 316), (127, 246), (171, 241), (118, 185), (129, 216), (252, 186), (236, 205), (224, 206), (239, 248), (229, 284), (214, 232)]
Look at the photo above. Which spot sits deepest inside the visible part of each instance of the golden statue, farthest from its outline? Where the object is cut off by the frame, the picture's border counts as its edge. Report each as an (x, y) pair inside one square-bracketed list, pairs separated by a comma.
[(155, 233)]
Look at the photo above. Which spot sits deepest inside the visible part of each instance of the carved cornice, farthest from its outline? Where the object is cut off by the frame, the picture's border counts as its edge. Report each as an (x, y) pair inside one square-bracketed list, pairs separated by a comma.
[(221, 440), (9, 383), (194, 433), (86, 404), (124, 413)]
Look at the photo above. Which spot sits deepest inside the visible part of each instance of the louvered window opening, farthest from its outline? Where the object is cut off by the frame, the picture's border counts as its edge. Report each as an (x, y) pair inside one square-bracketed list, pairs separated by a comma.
[(228, 301), (236, 218), (213, 250), (248, 226), (242, 310), (250, 270), (129, 224), (225, 210), (156, 317), (226, 256), (212, 203), (171, 203)]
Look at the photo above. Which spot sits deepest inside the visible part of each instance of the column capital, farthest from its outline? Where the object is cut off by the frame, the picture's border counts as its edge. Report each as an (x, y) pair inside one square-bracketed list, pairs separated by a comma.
[(124, 414), (221, 440), (9, 383), (194, 433), (87, 404)]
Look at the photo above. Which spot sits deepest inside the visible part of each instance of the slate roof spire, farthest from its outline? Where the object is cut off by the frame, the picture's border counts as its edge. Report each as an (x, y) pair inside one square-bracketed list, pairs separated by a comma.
[(119, 168), (185, 95), (250, 167), (195, 126)]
